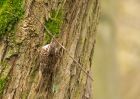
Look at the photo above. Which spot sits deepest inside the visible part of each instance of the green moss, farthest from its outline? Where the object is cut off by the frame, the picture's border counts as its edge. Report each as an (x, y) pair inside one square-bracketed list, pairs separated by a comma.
[(33, 73), (3, 64), (2, 84), (4, 75), (54, 24), (10, 13), (24, 95), (1, 3), (55, 88)]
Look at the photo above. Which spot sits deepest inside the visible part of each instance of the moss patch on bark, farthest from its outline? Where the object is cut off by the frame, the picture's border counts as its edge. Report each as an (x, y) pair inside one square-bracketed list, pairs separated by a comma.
[(10, 12), (2, 84), (54, 24)]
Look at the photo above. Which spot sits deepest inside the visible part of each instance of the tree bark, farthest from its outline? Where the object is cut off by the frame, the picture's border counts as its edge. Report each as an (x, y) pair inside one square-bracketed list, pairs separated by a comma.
[(29, 71)]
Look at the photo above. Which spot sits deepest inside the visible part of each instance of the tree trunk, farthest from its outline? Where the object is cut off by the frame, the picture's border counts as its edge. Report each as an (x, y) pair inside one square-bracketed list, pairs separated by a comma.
[(30, 71)]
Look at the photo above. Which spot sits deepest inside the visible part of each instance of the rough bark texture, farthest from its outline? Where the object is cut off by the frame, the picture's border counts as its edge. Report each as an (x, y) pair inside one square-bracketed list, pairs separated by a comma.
[(31, 72)]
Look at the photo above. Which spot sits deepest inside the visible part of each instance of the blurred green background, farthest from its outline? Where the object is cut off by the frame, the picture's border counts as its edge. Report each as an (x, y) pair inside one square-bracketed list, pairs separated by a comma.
[(117, 51)]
